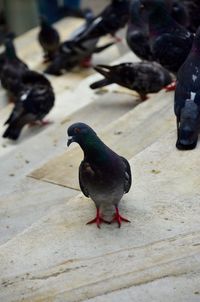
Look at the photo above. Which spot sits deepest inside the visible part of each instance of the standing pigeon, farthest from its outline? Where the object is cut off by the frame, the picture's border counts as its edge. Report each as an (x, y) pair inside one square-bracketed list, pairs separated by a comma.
[(179, 12), (12, 70), (35, 100), (193, 7), (103, 175), (109, 21), (170, 42), (187, 99), (137, 35), (49, 39), (143, 77)]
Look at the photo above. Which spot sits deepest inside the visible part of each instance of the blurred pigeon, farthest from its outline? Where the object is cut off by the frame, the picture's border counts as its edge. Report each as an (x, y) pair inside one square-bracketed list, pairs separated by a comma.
[(179, 12), (137, 35), (170, 42), (187, 99), (35, 100), (103, 175), (193, 8), (48, 38), (73, 53), (12, 70), (109, 21), (144, 77)]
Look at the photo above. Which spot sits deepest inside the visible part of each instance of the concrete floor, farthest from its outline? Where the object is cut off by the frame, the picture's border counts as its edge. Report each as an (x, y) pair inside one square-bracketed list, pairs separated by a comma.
[(47, 252)]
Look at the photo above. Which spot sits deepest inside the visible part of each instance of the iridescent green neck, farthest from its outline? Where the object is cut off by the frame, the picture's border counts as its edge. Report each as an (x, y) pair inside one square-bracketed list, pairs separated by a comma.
[(94, 148)]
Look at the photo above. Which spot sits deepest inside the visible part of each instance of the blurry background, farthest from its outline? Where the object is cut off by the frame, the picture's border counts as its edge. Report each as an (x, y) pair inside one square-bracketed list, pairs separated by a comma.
[(19, 16)]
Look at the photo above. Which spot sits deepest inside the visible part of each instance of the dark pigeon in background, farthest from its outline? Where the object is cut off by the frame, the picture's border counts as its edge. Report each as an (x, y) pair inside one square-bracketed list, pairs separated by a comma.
[(179, 12), (193, 8), (12, 70), (137, 35), (170, 42), (104, 176), (109, 21), (187, 99), (49, 39), (35, 100), (144, 77)]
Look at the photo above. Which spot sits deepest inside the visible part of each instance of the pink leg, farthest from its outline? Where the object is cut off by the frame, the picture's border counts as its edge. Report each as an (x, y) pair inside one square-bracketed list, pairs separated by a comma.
[(86, 63), (117, 39), (171, 86), (40, 123), (117, 217), (98, 219), (144, 97)]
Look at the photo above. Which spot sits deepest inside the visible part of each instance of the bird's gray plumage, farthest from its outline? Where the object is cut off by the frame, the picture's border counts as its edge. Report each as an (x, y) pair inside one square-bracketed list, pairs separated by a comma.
[(104, 176), (187, 99), (144, 77)]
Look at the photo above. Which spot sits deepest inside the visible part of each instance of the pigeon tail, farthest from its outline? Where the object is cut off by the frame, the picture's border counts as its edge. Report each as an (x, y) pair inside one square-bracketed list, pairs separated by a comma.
[(12, 132), (100, 84)]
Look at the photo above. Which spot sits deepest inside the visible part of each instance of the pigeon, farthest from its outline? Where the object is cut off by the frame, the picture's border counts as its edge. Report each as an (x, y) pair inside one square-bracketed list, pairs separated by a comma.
[(72, 53), (179, 12), (12, 70), (144, 77), (193, 8), (35, 100), (187, 99), (104, 176), (170, 42), (49, 39), (109, 21), (137, 35)]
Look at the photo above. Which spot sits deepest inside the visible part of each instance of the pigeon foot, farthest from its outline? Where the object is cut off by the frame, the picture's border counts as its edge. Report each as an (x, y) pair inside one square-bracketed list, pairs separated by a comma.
[(171, 86), (98, 220), (86, 63), (41, 123), (118, 218)]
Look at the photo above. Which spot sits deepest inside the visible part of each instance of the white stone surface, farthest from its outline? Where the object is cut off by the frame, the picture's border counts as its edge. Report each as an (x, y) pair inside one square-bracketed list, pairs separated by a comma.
[(60, 258), (47, 253)]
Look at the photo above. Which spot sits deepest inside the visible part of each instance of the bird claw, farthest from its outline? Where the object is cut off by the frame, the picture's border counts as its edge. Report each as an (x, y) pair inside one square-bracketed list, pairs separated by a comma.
[(171, 86), (40, 123), (118, 218), (98, 220), (86, 63), (117, 39)]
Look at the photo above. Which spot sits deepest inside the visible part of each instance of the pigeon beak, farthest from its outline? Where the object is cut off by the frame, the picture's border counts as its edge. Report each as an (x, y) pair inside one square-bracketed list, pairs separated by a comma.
[(70, 140)]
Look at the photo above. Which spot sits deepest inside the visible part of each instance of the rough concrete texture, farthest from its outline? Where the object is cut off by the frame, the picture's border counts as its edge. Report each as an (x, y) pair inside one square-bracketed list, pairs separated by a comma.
[(48, 253)]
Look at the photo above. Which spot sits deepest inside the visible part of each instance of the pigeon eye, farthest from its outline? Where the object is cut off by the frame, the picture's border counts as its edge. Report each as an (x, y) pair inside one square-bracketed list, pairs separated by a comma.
[(77, 130)]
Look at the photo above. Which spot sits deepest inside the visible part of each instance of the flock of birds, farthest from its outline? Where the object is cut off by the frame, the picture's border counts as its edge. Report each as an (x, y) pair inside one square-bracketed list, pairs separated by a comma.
[(164, 34)]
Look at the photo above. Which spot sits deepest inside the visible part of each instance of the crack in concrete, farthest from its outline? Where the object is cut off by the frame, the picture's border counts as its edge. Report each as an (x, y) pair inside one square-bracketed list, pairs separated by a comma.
[(57, 273)]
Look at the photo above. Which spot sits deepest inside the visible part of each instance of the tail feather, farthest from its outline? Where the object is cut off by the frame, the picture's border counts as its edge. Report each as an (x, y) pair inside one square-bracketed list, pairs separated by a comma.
[(12, 132), (101, 48), (100, 83)]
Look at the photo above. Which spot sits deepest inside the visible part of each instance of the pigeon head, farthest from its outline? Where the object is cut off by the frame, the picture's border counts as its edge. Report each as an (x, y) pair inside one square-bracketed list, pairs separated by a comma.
[(80, 133), (43, 20), (158, 16), (179, 13), (154, 9), (152, 4), (189, 126), (135, 11)]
